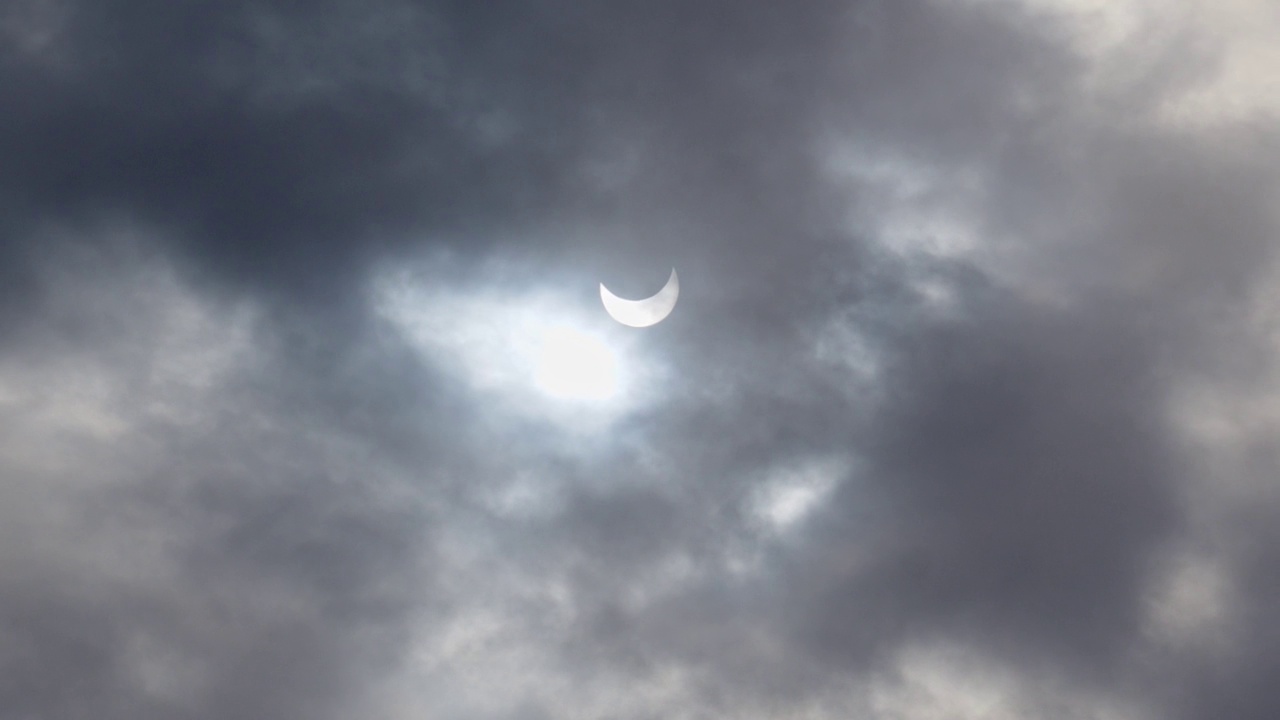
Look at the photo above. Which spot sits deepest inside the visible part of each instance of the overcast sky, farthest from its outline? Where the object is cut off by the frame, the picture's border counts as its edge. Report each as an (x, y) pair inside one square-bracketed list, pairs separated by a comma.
[(968, 410)]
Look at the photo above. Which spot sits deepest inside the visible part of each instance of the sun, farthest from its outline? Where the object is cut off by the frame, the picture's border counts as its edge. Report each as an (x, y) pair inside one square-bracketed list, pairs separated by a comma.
[(572, 364), (536, 353)]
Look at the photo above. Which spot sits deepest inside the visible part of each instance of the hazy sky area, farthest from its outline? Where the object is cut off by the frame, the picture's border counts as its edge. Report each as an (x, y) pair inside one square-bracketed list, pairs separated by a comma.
[(969, 408)]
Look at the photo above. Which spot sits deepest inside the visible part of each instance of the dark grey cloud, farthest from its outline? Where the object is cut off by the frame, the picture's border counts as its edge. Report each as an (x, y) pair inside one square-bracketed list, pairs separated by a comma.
[(964, 410)]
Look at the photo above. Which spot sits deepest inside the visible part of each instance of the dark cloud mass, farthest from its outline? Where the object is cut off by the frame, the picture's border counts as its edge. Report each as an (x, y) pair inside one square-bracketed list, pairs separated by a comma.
[(308, 408)]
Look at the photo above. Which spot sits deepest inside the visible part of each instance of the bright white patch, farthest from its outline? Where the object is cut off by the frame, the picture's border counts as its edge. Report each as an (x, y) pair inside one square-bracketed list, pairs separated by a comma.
[(792, 493), (791, 503), (535, 352), (575, 365)]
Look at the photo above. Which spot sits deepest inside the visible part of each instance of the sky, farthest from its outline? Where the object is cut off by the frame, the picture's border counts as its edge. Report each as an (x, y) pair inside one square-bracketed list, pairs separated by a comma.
[(309, 408)]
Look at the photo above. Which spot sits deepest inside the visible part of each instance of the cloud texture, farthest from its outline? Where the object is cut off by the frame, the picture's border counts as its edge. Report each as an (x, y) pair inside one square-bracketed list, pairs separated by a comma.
[(968, 408)]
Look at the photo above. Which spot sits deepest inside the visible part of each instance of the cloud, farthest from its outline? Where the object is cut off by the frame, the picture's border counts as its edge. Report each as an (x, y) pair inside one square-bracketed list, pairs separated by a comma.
[(966, 409)]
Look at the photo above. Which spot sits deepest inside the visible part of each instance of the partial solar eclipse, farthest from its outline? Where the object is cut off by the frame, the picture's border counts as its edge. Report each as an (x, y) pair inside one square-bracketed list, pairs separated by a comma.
[(642, 313)]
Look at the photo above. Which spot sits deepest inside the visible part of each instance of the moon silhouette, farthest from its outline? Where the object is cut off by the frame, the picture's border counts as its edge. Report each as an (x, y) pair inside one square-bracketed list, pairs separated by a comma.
[(642, 313)]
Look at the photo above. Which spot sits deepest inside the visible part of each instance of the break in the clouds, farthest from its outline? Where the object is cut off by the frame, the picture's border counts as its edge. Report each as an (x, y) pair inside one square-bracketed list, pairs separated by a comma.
[(309, 407)]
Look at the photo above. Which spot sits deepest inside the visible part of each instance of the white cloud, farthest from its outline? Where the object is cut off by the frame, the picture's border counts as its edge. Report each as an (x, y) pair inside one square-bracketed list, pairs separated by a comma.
[(790, 493)]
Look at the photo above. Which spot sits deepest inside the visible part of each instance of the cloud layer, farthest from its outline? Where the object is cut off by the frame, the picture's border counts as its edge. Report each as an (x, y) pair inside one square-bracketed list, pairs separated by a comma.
[(967, 409)]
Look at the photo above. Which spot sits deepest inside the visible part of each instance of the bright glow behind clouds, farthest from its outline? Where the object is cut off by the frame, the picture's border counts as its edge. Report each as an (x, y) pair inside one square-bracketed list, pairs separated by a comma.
[(534, 350), (576, 365)]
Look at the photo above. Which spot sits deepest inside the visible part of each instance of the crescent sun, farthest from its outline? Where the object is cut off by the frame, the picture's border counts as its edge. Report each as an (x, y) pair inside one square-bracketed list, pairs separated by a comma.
[(642, 313)]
